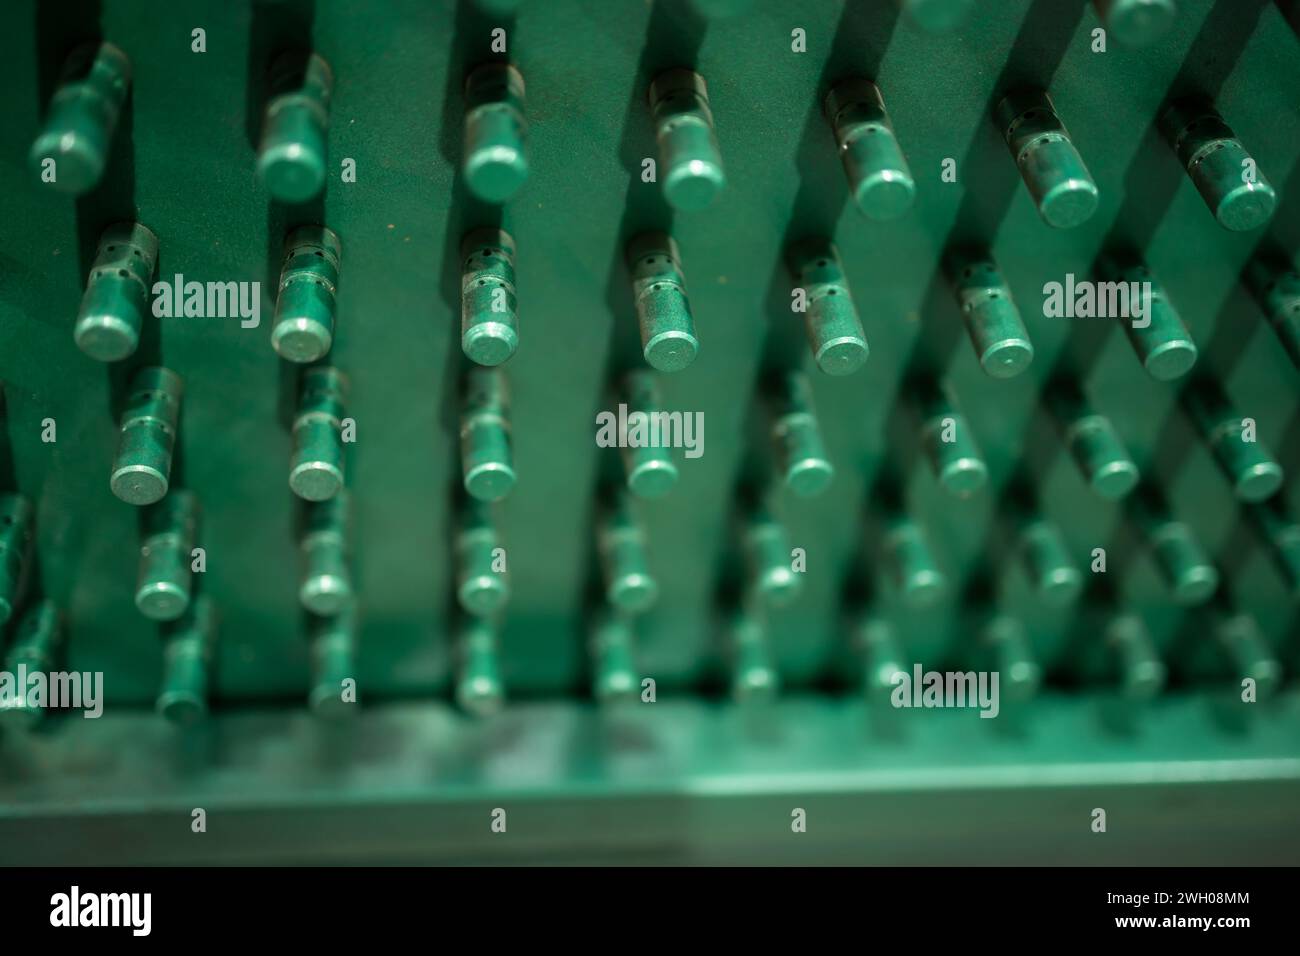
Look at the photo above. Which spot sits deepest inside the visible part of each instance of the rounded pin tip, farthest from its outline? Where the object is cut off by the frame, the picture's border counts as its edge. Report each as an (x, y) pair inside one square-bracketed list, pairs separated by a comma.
[(489, 343), (1247, 206), (1060, 586), (1259, 481), (292, 172), (924, 588), (106, 338), (1115, 479), (301, 339), (842, 356), (1140, 22), (490, 481), (964, 476), (671, 351), (694, 185), (885, 195), (1069, 203), (162, 600), (652, 479), (1171, 360), (139, 484), (181, 707), (1008, 358), (495, 173), (809, 477), (316, 480), (1197, 585), (483, 594), (634, 593), (325, 594), (481, 696), (78, 162)]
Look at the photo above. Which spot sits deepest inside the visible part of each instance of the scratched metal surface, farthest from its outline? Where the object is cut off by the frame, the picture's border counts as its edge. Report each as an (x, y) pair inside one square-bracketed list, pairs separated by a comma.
[(184, 167)]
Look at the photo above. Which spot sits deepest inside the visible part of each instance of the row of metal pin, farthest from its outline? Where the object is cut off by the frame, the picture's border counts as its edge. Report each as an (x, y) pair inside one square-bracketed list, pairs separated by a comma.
[(291, 164), (291, 160), (303, 330), (140, 475), (169, 524)]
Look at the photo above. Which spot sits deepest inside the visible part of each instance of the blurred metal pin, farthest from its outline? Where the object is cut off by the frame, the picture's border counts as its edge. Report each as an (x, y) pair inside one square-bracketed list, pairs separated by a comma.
[(334, 691), (620, 540), (486, 455), (479, 688), (835, 335), (35, 648), (316, 462), (168, 531), (141, 470), (800, 453), (615, 679), (188, 646)]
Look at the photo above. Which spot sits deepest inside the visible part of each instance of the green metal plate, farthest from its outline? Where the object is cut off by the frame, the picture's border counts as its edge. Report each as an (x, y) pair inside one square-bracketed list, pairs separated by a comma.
[(682, 780)]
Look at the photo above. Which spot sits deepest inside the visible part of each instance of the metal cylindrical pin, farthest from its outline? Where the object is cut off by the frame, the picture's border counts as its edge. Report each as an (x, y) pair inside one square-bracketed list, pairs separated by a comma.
[(1282, 305), (1282, 532), (487, 463), (326, 586), (1160, 338), (188, 645), (834, 329), (1054, 576), (937, 16), (690, 163), (620, 541), (800, 453), (1225, 175), (615, 679), (879, 178), (1013, 658), (303, 330), (882, 656), (495, 163), (142, 469), (117, 293), (82, 116), (1249, 467), (754, 677), (913, 572), (333, 691), (1141, 672), (663, 312), (1053, 171), (1183, 563), (316, 463), (1249, 653), (16, 517), (480, 689), (489, 305), (992, 319), (481, 588), (1137, 23), (291, 158), (168, 530), (1094, 445), (767, 556), (36, 647), (949, 443), (648, 464)]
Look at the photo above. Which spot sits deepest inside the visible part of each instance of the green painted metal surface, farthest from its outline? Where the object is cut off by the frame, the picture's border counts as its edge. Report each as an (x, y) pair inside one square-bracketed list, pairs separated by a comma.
[(184, 163)]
